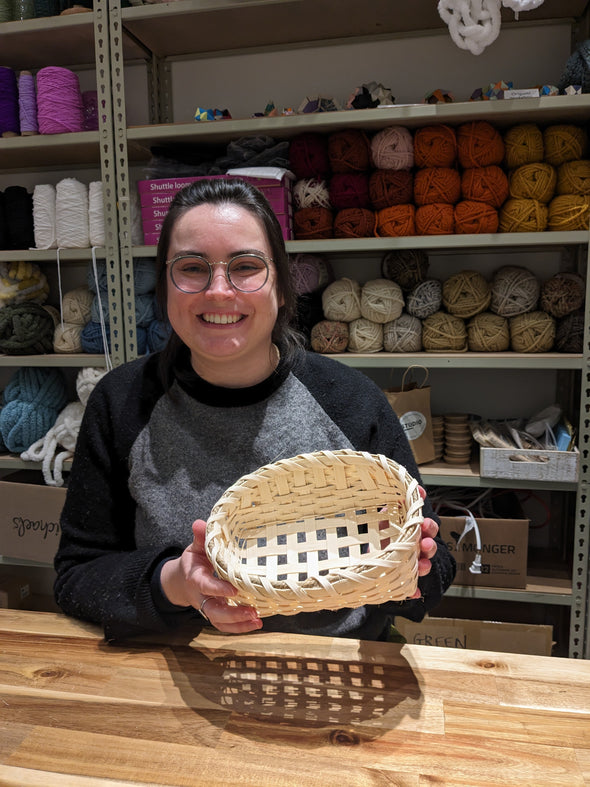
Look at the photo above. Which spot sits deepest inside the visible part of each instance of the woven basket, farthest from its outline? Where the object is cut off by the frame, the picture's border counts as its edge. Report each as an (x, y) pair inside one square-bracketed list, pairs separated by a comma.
[(310, 533)]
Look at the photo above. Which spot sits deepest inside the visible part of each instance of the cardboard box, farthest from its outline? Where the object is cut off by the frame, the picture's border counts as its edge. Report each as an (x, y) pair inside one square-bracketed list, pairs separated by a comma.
[(478, 635), (13, 592), (529, 465), (29, 517), (503, 556)]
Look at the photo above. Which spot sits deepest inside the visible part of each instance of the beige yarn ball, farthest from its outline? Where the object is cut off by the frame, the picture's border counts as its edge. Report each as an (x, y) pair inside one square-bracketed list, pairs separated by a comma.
[(311, 193), (365, 336), (77, 305), (341, 300), (488, 332), (329, 336), (67, 338), (533, 332), (573, 177), (442, 332), (424, 299), (466, 293), (381, 300), (515, 290), (403, 335)]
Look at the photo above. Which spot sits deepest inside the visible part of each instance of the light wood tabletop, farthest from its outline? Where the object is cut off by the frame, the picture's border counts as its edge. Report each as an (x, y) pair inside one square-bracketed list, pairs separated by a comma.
[(273, 709)]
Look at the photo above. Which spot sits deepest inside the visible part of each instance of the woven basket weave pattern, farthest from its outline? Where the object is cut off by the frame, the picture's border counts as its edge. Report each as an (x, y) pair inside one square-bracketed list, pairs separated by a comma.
[(310, 533)]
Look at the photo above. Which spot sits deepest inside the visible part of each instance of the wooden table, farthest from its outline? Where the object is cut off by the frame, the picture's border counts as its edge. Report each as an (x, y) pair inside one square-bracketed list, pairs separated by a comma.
[(269, 709)]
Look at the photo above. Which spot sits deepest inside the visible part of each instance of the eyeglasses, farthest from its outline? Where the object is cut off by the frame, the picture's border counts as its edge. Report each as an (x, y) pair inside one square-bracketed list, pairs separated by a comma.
[(245, 272)]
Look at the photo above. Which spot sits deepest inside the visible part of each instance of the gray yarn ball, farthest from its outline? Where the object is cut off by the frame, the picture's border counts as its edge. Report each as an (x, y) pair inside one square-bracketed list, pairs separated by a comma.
[(424, 299)]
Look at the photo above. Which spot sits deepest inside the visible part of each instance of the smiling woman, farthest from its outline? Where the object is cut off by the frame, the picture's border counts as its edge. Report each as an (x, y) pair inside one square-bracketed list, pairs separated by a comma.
[(165, 436)]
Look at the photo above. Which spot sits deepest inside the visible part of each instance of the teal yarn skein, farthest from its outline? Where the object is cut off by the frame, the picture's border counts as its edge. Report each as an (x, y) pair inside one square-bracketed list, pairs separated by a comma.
[(33, 398)]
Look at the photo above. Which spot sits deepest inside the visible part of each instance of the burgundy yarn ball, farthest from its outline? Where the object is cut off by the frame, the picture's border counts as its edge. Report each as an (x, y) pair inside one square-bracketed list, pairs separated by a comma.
[(389, 187), (349, 150), (349, 190), (308, 156)]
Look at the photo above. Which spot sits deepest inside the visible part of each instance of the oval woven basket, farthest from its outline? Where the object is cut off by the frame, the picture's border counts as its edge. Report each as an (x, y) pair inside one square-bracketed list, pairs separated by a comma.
[(311, 532)]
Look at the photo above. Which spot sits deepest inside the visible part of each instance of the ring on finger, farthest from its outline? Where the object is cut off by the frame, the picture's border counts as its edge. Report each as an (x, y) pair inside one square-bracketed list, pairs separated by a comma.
[(202, 607)]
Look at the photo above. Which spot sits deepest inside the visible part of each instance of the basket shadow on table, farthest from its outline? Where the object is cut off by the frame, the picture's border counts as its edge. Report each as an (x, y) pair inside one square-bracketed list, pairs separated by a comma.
[(270, 694)]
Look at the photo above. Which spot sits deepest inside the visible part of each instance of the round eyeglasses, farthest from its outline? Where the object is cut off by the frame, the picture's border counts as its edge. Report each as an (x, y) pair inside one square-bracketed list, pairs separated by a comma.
[(192, 273)]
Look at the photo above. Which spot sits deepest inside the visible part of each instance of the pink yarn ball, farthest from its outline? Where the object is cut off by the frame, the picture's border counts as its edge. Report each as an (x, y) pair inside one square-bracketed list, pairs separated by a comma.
[(393, 148)]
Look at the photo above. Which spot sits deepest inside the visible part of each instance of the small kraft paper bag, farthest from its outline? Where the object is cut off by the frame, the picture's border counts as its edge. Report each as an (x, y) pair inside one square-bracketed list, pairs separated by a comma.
[(411, 404)]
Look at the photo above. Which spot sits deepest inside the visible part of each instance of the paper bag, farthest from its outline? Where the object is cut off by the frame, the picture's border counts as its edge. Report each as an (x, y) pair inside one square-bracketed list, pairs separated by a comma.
[(411, 404)]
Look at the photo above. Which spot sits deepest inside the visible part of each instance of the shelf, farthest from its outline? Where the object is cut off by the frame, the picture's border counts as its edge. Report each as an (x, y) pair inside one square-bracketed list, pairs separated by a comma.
[(77, 360), (14, 462), (57, 40), (538, 590), (466, 360), (440, 473), (227, 25), (48, 151), (50, 255)]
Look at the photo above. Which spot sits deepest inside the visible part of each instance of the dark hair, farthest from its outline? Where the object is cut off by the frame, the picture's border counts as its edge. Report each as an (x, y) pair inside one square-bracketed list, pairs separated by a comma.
[(216, 191)]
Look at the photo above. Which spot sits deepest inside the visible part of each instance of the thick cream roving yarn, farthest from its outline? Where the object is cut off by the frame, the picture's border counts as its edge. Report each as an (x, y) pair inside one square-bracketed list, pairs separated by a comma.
[(64, 432)]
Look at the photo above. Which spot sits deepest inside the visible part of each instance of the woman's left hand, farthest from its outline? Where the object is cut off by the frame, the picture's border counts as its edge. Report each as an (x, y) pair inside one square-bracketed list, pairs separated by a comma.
[(427, 546)]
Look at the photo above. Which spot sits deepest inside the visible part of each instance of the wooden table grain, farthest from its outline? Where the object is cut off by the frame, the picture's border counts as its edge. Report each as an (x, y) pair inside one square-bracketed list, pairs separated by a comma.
[(272, 709)]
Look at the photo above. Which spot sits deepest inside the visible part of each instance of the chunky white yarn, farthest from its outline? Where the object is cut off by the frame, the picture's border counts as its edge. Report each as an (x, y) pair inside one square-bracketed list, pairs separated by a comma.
[(44, 196), (96, 227), (71, 214), (341, 300)]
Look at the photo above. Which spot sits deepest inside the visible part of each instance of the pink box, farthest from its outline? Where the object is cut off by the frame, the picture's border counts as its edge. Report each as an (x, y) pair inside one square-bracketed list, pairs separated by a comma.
[(163, 200), (151, 238), (153, 213)]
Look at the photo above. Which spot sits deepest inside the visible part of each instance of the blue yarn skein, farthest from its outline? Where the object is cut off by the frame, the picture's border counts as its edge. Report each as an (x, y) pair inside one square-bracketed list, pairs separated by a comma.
[(94, 308), (144, 308), (144, 276), (91, 338), (34, 397), (158, 332)]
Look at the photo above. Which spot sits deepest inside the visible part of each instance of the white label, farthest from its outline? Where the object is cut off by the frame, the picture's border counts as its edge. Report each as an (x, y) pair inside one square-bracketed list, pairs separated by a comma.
[(414, 424), (531, 92)]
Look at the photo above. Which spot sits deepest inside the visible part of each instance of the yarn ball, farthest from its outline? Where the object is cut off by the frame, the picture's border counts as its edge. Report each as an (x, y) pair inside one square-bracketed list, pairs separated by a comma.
[(67, 338), (485, 184), (354, 223), (435, 146), (479, 144), (436, 184), (438, 218), (349, 151), (145, 309), (308, 156), (523, 144), (365, 336), (22, 282), (309, 272), (442, 332), (144, 276), (329, 336), (158, 333), (562, 294), (466, 293), (349, 190), (100, 306), (569, 212), (86, 381), (533, 332), (569, 334), (533, 181), (389, 187), (381, 300), (393, 148), (488, 333), (475, 218), (523, 215), (312, 223), (424, 299), (396, 221), (407, 267), (573, 177), (515, 290), (341, 300), (26, 329), (33, 399), (403, 335), (311, 193), (92, 341), (76, 305), (563, 143)]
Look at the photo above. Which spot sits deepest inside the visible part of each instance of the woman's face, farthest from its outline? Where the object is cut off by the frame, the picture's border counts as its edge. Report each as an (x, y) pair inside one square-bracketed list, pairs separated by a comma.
[(227, 331)]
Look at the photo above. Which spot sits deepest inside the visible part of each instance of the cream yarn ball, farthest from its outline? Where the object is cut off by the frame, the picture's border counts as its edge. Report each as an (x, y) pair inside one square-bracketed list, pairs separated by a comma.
[(67, 338), (77, 305), (382, 300), (403, 335), (341, 300), (365, 336)]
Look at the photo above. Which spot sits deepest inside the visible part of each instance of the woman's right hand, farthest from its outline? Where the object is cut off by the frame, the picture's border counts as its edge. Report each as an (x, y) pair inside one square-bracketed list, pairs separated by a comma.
[(189, 581)]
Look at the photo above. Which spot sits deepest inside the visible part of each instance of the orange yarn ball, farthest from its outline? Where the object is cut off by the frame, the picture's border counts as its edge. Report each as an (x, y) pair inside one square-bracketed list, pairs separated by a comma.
[(435, 146), (436, 184), (438, 218), (312, 223), (485, 184), (564, 143), (396, 221), (523, 215), (569, 212), (523, 145), (573, 177), (479, 144), (354, 223), (389, 187), (349, 150), (475, 218), (533, 181)]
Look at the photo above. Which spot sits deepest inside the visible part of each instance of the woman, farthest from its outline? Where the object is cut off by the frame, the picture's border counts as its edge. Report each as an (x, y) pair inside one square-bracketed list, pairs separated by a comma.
[(164, 436)]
